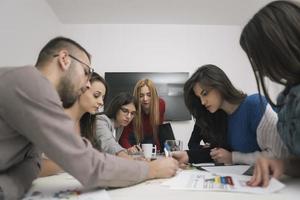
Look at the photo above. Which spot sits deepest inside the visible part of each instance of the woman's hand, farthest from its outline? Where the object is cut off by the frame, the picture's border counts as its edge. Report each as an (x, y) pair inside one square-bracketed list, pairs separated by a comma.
[(134, 149), (220, 155), (182, 158), (264, 168)]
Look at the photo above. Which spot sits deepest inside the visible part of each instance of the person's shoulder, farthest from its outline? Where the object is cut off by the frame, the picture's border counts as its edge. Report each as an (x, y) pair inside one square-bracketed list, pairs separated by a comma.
[(26, 75), (103, 118), (104, 121), (295, 91), (290, 96), (255, 99), (256, 104), (162, 102), (30, 81), (12, 72)]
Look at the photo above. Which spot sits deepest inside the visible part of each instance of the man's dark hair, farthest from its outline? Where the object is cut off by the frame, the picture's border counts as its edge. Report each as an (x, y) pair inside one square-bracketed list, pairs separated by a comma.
[(54, 46)]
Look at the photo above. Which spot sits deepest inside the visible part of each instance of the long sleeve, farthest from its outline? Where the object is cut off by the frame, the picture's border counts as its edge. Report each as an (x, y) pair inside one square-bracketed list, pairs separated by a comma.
[(14, 182), (289, 119), (268, 140), (200, 155), (195, 139), (104, 136), (197, 152)]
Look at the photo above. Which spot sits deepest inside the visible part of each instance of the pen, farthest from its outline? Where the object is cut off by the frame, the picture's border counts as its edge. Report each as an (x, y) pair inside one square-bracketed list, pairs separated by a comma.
[(138, 147)]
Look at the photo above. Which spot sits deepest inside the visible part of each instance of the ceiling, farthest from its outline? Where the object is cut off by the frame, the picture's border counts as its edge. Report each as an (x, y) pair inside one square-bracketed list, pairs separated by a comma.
[(203, 12)]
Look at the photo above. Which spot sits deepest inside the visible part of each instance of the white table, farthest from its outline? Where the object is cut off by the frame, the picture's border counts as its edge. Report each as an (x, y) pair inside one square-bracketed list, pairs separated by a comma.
[(153, 190)]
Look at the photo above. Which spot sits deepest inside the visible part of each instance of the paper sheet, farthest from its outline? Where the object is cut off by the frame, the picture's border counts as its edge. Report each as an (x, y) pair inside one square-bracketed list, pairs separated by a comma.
[(231, 169), (62, 186), (205, 181)]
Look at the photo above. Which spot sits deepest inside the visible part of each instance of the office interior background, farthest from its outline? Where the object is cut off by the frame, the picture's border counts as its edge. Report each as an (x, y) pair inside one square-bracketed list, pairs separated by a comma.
[(136, 36)]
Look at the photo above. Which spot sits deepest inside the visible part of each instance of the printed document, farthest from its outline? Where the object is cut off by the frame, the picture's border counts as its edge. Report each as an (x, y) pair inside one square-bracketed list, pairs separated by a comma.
[(206, 181)]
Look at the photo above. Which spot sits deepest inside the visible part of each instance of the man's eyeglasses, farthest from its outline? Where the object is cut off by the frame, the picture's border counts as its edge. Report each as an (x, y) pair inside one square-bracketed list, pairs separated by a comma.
[(126, 112), (88, 70)]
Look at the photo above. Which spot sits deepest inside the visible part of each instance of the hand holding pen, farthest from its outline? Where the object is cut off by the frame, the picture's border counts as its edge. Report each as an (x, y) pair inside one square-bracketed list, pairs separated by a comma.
[(182, 158), (135, 149)]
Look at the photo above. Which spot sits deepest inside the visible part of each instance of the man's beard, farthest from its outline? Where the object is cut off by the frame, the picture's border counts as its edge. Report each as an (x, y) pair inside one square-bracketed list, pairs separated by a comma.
[(67, 92)]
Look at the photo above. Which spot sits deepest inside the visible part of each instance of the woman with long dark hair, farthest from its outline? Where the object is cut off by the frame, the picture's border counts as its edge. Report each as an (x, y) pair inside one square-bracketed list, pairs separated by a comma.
[(88, 119), (236, 127), (109, 127), (271, 40)]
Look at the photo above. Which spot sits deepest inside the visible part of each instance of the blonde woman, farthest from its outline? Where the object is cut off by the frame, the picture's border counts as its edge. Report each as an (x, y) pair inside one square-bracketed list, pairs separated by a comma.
[(150, 114)]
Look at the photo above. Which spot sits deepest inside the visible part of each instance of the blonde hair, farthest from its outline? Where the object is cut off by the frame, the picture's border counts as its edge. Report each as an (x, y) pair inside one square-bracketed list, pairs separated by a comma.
[(153, 110)]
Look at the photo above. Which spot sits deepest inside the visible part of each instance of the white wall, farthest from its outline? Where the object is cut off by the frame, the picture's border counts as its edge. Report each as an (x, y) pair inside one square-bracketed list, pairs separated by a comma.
[(25, 26)]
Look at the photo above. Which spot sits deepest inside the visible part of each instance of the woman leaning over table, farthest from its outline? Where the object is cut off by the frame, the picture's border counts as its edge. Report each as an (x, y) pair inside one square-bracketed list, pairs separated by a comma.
[(150, 114), (271, 40), (82, 112), (109, 126), (237, 127)]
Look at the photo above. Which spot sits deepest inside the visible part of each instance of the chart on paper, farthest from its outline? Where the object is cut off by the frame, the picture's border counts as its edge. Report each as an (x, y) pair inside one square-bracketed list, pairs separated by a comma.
[(200, 180)]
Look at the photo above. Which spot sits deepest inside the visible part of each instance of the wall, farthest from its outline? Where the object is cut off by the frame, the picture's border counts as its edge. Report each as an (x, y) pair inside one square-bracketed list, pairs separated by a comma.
[(27, 25)]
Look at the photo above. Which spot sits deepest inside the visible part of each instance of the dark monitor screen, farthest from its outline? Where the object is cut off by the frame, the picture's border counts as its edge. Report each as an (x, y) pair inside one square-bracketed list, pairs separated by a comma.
[(169, 86)]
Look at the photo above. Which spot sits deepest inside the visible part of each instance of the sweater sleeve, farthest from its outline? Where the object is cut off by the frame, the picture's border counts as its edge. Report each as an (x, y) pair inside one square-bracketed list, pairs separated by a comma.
[(104, 136), (200, 155), (14, 182), (195, 139), (268, 140)]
